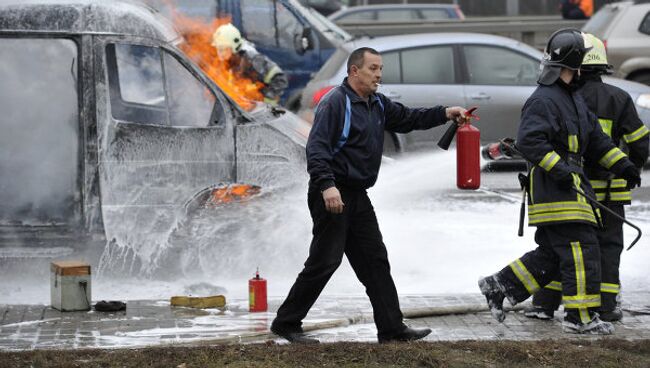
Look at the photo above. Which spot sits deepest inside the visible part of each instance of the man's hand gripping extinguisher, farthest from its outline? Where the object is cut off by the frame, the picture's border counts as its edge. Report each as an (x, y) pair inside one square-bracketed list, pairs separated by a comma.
[(468, 146)]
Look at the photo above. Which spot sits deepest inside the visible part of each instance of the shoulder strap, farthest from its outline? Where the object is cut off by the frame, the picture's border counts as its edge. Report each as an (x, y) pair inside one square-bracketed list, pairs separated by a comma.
[(346, 126)]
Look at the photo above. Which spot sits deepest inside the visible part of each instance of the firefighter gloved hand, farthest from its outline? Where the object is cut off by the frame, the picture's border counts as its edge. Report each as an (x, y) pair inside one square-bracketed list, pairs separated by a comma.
[(565, 182), (632, 176)]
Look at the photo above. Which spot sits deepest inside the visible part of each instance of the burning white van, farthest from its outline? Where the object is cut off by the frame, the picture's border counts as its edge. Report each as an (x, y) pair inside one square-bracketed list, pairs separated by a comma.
[(104, 120)]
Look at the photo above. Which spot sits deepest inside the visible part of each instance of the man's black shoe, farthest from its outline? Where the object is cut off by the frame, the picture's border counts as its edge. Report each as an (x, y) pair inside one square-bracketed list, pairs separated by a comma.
[(294, 337), (408, 334)]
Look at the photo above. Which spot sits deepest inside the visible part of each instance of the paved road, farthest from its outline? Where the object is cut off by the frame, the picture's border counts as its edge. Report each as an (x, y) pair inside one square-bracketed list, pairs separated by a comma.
[(333, 319)]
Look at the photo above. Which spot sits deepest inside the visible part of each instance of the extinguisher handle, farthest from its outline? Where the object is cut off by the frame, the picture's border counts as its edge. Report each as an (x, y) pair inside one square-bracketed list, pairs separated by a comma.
[(445, 140)]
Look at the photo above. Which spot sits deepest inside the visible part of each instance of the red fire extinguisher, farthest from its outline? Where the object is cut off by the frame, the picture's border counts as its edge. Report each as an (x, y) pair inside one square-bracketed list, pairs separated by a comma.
[(468, 147), (257, 294)]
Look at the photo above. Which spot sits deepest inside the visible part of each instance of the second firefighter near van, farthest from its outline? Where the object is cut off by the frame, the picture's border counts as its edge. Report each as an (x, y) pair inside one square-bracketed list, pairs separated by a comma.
[(556, 134), (620, 121), (246, 61)]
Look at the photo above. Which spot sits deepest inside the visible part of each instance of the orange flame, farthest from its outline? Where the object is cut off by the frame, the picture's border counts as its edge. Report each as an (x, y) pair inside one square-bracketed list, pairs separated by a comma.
[(198, 46), (232, 193)]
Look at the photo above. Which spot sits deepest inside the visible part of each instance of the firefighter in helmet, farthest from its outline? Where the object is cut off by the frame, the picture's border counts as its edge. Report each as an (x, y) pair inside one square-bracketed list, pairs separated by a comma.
[(620, 121), (247, 62), (556, 133)]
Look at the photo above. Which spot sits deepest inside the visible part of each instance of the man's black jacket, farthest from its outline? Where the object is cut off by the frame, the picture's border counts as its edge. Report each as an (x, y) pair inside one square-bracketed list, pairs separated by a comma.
[(346, 141)]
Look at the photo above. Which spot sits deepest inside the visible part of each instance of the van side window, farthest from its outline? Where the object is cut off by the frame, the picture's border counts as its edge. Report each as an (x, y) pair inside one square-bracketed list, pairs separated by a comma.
[(136, 84), (150, 86), (190, 101), (259, 21)]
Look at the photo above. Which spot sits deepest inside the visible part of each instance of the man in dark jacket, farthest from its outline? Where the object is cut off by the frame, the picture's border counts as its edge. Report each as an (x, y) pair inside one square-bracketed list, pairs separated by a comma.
[(344, 152), (556, 133), (619, 120)]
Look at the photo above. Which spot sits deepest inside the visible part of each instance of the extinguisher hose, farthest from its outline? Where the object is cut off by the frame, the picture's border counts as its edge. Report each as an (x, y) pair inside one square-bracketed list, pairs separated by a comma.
[(594, 202)]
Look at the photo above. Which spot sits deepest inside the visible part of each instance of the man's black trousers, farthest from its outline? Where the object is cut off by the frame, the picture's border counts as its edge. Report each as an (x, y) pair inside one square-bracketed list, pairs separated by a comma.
[(356, 234), (610, 239)]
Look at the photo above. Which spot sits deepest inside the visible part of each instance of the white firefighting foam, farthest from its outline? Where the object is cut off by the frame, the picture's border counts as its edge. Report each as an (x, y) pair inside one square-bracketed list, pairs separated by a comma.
[(440, 240)]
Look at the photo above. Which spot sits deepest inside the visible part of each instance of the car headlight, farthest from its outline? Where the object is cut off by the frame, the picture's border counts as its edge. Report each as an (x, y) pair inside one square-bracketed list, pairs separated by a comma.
[(643, 101)]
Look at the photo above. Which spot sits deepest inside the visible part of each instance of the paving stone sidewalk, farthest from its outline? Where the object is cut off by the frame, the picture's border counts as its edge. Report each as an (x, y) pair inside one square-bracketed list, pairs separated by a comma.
[(333, 319)]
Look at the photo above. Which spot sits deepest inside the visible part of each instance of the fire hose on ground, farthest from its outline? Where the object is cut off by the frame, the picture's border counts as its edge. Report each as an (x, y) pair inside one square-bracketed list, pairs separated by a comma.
[(355, 319)]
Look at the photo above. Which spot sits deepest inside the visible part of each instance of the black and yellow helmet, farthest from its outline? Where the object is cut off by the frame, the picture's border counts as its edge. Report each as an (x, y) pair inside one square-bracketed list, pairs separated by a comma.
[(566, 48)]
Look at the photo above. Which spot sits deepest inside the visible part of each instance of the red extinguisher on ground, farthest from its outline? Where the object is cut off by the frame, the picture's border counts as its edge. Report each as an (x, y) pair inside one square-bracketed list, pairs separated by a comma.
[(257, 294), (468, 147)]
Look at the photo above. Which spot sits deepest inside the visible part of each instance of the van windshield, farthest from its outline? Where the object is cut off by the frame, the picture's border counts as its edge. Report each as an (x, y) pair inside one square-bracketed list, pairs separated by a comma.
[(323, 24), (598, 24)]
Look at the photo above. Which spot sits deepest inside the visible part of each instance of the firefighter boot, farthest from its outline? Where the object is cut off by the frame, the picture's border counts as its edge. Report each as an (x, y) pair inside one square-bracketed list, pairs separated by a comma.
[(611, 316), (535, 311), (594, 327), (493, 291)]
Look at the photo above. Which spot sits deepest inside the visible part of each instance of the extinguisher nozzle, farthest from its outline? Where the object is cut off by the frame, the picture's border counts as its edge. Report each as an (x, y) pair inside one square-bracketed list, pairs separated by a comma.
[(445, 140)]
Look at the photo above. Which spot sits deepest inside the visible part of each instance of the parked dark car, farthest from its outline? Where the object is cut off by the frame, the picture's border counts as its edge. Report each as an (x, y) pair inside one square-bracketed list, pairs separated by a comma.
[(495, 73), (105, 122), (398, 13)]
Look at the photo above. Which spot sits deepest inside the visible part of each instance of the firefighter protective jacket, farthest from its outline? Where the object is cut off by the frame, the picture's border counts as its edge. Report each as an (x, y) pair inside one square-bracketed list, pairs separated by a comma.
[(346, 141), (557, 130), (619, 120), (257, 67)]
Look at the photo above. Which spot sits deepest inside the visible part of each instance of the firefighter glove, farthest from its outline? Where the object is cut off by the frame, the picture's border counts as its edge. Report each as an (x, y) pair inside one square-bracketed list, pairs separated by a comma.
[(632, 176), (565, 182)]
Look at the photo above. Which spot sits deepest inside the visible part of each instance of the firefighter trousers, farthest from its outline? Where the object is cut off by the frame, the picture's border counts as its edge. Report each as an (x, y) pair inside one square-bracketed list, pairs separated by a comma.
[(569, 250), (610, 241), (356, 234)]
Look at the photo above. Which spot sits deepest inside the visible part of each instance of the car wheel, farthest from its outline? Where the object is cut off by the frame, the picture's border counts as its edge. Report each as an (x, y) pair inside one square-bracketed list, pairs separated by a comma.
[(392, 144), (641, 77)]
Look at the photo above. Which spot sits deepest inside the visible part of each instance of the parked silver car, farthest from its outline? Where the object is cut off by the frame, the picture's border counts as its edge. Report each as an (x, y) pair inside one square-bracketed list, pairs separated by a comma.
[(625, 28), (495, 73)]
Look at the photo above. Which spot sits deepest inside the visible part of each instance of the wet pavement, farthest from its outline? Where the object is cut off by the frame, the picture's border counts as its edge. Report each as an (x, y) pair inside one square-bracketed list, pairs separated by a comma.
[(333, 319)]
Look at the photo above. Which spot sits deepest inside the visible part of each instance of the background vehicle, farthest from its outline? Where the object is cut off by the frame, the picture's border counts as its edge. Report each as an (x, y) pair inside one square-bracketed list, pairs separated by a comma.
[(624, 27), (398, 13), (325, 7), (495, 73), (109, 130), (298, 39)]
